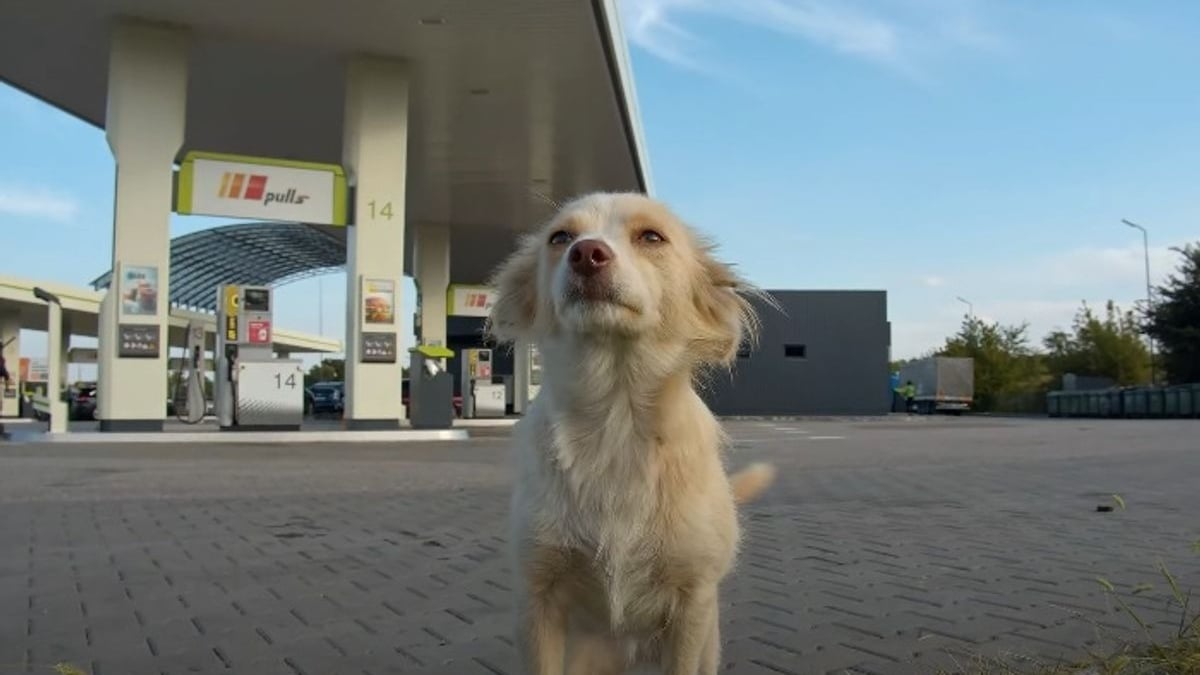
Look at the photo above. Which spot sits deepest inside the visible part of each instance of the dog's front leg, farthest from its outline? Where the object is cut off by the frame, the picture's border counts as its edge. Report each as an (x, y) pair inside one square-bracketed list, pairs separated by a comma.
[(542, 616), (543, 636), (690, 634)]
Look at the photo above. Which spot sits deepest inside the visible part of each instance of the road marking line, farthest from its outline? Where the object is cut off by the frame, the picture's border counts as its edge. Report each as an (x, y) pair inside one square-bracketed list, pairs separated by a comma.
[(826, 438)]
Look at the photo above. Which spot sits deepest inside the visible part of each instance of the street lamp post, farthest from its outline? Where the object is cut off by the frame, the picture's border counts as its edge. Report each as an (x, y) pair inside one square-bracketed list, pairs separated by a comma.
[(970, 307), (1149, 293)]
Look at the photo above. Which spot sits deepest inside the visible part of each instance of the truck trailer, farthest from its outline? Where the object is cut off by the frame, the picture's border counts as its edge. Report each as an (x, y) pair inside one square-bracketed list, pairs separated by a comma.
[(944, 384)]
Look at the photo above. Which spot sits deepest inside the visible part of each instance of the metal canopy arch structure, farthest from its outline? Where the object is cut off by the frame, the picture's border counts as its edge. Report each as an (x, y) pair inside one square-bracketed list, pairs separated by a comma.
[(258, 254)]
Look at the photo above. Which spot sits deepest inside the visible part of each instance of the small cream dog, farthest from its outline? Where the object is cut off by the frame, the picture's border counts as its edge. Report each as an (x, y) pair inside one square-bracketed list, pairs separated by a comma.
[(624, 520)]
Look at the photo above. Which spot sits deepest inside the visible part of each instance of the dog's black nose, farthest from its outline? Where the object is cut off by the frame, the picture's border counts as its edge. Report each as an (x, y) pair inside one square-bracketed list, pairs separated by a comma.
[(589, 256)]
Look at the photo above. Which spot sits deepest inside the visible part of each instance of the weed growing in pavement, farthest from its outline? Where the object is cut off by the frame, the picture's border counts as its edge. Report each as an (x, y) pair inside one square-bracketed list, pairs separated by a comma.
[(1178, 654)]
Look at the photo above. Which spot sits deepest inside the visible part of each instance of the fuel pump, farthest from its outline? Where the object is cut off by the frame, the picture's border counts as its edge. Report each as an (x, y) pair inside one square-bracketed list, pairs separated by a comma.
[(480, 397), (190, 405), (254, 390)]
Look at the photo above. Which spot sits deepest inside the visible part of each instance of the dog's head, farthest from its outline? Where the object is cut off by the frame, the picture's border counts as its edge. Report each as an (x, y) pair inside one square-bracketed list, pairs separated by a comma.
[(622, 265)]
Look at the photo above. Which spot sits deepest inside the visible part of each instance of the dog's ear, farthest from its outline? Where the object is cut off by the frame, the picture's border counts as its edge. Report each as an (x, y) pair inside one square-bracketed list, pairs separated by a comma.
[(514, 313), (724, 313)]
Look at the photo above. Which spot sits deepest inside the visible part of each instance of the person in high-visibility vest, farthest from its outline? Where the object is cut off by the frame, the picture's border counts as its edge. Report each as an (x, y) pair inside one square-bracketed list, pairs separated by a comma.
[(909, 393)]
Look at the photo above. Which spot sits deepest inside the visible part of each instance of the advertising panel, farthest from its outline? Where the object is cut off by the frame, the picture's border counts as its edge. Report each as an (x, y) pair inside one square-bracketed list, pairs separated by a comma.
[(139, 290), (379, 301)]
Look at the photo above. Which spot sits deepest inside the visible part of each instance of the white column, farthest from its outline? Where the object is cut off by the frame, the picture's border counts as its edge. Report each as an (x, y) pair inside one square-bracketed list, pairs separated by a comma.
[(147, 92), (375, 155), (10, 329), (521, 377), (433, 280), (55, 368), (64, 353)]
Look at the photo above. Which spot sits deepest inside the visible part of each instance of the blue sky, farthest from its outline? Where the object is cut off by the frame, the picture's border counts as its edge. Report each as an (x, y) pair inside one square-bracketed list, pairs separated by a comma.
[(932, 148)]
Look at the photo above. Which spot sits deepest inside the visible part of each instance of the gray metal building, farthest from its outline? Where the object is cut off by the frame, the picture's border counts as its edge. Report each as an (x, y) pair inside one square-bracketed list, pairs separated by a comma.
[(822, 353)]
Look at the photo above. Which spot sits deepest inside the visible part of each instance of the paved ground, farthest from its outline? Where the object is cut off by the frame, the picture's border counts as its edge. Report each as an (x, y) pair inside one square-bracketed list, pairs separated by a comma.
[(888, 546)]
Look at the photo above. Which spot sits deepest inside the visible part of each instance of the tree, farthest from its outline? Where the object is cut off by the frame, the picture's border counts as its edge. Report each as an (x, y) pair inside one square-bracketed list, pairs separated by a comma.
[(1005, 364), (328, 370), (1110, 347), (1175, 321)]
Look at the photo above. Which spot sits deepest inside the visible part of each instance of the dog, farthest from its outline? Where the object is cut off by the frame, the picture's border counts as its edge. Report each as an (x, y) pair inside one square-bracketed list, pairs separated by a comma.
[(623, 518)]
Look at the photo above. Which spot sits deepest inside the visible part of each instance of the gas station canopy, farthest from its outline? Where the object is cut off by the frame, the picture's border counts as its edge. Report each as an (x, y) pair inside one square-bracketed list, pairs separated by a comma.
[(254, 254), (513, 104), (391, 137)]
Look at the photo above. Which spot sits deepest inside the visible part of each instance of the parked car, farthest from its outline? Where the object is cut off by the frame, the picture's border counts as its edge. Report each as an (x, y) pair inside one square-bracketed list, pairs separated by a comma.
[(325, 397), (81, 402)]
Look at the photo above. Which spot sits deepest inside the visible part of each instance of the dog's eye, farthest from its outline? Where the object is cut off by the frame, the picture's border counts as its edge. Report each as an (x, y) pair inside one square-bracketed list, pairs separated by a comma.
[(651, 237), (561, 237)]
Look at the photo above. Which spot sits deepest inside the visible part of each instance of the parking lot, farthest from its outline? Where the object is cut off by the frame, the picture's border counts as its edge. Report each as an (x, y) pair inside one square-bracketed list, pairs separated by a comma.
[(898, 545)]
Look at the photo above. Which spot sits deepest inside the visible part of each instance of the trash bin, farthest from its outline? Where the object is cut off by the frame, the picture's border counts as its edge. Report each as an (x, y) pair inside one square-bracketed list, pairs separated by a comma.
[(1133, 403), (1155, 402), (431, 388), (1171, 402), (1189, 400), (1053, 403), (1074, 404)]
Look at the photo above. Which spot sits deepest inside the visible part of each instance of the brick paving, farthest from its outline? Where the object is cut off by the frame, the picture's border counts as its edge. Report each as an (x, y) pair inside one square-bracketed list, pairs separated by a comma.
[(888, 546)]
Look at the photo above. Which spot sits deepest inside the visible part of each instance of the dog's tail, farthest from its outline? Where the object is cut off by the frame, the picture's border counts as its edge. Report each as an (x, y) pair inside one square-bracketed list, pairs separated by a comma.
[(751, 481)]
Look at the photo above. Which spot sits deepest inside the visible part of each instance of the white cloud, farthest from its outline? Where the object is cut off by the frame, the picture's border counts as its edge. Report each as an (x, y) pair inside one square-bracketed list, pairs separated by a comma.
[(650, 27), (896, 35), (933, 281), (37, 203)]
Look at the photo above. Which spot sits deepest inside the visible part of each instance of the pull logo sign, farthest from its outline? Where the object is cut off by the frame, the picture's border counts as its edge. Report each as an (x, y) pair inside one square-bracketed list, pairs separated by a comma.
[(477, 300), (232, 185)]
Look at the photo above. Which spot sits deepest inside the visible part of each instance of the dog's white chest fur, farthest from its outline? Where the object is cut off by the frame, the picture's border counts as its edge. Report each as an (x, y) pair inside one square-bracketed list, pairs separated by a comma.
[(593, 489)]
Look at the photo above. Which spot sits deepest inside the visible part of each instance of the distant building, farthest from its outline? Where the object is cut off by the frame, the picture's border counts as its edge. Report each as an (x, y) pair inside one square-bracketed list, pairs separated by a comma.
[(822, 353)]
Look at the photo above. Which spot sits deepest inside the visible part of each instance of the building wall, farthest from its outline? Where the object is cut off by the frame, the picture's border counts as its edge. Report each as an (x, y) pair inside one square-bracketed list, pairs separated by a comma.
[(825, 354)]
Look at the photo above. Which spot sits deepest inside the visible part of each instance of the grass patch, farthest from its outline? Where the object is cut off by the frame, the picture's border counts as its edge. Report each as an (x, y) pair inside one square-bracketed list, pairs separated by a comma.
[(1178, 654), (1174, 657)]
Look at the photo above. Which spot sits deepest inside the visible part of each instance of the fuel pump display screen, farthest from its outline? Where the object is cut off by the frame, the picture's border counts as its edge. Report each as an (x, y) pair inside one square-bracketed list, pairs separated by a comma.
[(256, 300)]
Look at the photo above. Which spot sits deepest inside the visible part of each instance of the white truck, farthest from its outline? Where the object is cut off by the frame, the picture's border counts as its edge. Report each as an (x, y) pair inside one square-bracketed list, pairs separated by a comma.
[(943, 383)]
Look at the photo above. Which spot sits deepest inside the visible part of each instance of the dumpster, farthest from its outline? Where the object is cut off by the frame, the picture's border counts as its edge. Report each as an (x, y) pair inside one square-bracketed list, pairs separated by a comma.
[(1155, 402), (1133, 402), (1171, 402), (1193, 396), (1184, 395), (1115, 409), (1053, 403), (1073, 402)]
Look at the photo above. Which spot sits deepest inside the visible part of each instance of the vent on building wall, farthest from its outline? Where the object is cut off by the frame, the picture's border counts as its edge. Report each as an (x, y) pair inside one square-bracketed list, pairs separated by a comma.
[(795, 351)]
